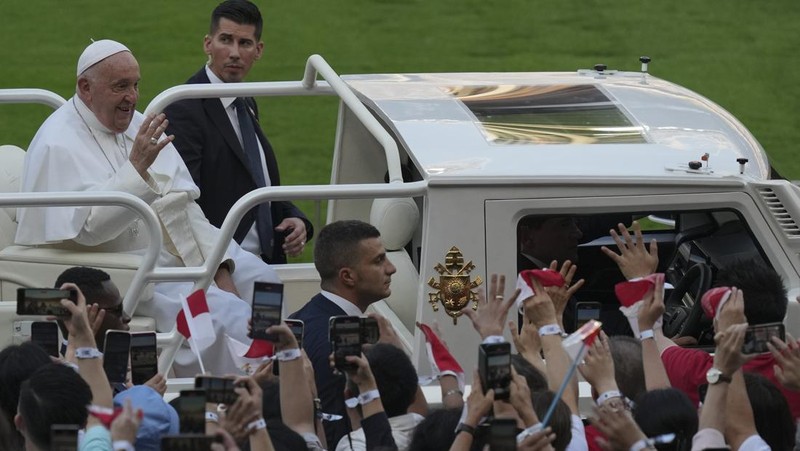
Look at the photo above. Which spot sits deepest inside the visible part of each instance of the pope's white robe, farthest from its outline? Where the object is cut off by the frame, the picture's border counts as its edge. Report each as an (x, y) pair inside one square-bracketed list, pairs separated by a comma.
[(65, 155)]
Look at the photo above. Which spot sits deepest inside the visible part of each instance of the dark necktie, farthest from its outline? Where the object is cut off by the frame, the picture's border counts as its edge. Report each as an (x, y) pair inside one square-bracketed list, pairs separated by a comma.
[(253, 154)]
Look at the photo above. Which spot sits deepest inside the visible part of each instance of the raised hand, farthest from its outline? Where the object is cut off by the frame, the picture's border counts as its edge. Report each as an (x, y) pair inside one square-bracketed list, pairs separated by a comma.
[(490, 318), (148, 143), (787, 354), (561, 295), (634, 259)]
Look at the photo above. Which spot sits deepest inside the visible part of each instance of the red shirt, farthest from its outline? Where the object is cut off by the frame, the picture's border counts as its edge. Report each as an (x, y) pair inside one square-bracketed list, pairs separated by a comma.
[(686, 369)]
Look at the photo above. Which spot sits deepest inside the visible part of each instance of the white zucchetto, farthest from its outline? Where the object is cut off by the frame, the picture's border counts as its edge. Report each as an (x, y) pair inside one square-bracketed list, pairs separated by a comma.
[(98, 51)]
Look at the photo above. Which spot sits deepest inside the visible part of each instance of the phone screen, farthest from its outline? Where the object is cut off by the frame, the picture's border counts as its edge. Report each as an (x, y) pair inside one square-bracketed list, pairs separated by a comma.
[(345, 336), (267, 306), (45, 334), (218, 389), (64, 437), (757, 337), (192, 412), (115, 355), (370, 334), (144, 357), (494, 367), (586, 311), (43, 301)]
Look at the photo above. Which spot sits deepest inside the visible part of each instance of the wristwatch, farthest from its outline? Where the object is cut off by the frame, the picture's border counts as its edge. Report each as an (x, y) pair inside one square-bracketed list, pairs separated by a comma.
[(463, 427), (715, 376)]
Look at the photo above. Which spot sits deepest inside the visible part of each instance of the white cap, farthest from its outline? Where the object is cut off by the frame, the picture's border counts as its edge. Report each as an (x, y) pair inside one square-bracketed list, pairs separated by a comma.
[(98, 51)]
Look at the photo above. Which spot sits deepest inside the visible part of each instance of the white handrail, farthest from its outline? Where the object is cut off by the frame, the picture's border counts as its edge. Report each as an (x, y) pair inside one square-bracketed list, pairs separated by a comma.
[(31, 95)]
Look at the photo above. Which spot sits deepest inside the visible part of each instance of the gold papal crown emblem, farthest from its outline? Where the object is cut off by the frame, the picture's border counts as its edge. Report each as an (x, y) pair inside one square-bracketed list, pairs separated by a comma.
[(454, 285)]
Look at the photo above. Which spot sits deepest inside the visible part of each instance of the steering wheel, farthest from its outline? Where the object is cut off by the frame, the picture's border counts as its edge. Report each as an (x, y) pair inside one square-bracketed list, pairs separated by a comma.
[(682, 320)]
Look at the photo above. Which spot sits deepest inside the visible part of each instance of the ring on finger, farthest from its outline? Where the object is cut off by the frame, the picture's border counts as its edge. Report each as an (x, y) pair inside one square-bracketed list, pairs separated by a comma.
[(153, 141), (499, 297)]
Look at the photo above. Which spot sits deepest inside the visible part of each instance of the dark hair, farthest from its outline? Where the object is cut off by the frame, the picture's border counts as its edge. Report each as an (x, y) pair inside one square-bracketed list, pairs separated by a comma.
[(773, 418), (337, 246), (89, 280), (242, 12), (560, 422), (17, 363), (628, 366), (533, 377), (395, 376), (54, 394), (664, 411), (764, 294), (437, 431)]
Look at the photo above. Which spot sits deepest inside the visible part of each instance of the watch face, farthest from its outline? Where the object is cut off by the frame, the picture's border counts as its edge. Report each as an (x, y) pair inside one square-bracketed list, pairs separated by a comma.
[(712, 376)]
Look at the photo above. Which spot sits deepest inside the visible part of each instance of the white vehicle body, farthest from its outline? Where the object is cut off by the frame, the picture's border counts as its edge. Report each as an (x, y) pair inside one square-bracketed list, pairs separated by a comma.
[(478, 152)]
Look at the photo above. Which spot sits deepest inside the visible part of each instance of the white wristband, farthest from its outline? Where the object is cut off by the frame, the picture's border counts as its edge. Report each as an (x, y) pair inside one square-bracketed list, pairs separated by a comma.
[(550, 329), (212, 417), (528, 432), (645, 334), (256, 425), (88, 353), (288, 354), (368, 396), (640, 445), (492, 339), (605, 396), (123, 445)]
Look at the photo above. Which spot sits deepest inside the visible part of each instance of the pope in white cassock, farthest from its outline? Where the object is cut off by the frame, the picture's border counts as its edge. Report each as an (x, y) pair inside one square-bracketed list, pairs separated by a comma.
[(98, 142)]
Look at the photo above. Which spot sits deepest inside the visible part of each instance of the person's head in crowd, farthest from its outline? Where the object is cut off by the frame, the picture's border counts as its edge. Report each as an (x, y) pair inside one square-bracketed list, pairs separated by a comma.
[(436, 431), (108, 83), (17, 363), (233, 42), (765, 298), (560, 422), (535, 379), (159, 418), (98, 288), (8, 436), (54, 394), (352, 262), (628, 367), (665, 411), (395, 376), (548, 238), (774, 421)]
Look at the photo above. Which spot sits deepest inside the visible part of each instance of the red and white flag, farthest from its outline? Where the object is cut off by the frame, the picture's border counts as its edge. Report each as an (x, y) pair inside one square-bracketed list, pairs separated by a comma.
[(194, 321), (249, 357), (713, 300), (546, 277), (442, 362), (579, 341)]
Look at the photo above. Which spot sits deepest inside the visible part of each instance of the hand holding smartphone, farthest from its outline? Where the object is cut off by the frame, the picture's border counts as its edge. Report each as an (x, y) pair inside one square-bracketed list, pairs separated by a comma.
[(45, 334), (267, 306), (44, 301), (144, 357), (115, 355), (757, 337), (494, 367), (345, 335)]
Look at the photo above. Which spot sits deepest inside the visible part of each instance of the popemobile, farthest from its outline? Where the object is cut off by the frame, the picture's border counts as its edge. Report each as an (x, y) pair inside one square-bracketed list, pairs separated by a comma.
[(450, 167)]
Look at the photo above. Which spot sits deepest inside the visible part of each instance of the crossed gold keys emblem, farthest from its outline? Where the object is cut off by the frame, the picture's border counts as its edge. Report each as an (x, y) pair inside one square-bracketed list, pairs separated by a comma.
[(454, 285)]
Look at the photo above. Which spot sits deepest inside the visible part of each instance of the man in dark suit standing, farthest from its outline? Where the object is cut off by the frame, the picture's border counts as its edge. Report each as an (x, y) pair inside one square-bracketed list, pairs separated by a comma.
[(222, 143), (354, 273)]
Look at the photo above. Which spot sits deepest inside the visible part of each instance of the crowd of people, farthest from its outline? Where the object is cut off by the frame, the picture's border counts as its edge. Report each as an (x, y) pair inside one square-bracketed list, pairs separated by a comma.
[(647, 390)]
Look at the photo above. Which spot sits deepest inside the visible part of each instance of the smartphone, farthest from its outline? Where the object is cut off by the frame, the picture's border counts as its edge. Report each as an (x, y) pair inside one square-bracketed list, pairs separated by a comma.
[(345, 335), (44, 301), (188, 442), (218, 390), (757, 337), (297, 327), (503, 434), (267, 306), (64, 437), (115, 355), (585, 311), (370, 334), (494, 366), (144, 357), (192, 411), (45, 334)]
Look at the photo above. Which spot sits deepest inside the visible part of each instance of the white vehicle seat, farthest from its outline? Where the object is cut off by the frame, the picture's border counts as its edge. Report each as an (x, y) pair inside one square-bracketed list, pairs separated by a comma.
[(792, 319), (11, 159), (397, 220)]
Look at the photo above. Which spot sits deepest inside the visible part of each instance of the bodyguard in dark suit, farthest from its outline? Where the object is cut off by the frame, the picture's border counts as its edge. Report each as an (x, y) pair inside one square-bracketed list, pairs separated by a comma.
[(354, 273), (222, 144)]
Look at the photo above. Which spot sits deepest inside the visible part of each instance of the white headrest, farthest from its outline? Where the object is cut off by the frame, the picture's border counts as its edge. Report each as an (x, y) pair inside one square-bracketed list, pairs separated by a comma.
[(396, 219)]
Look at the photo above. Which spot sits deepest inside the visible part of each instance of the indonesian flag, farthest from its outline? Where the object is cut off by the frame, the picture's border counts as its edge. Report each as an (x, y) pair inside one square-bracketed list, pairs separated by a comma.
[(442, 362), (630, 295), (713, 300), (579, 341), (546, 277), (249, 357), (194, 321)]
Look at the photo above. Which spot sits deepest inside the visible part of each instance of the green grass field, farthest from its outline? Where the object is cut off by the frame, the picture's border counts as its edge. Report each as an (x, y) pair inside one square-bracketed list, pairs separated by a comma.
[(739, 53)]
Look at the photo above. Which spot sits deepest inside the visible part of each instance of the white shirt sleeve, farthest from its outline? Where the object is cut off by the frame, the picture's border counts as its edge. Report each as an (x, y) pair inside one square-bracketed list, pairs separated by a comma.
[(578, 442)]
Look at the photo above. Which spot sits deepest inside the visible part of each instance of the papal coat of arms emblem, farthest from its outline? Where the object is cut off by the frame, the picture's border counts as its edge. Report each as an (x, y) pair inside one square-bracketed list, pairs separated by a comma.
[(454, 285)]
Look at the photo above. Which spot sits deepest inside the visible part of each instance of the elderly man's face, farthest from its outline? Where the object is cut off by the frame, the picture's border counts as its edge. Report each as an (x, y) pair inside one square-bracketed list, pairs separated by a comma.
[(110, 89), (232, 50)]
